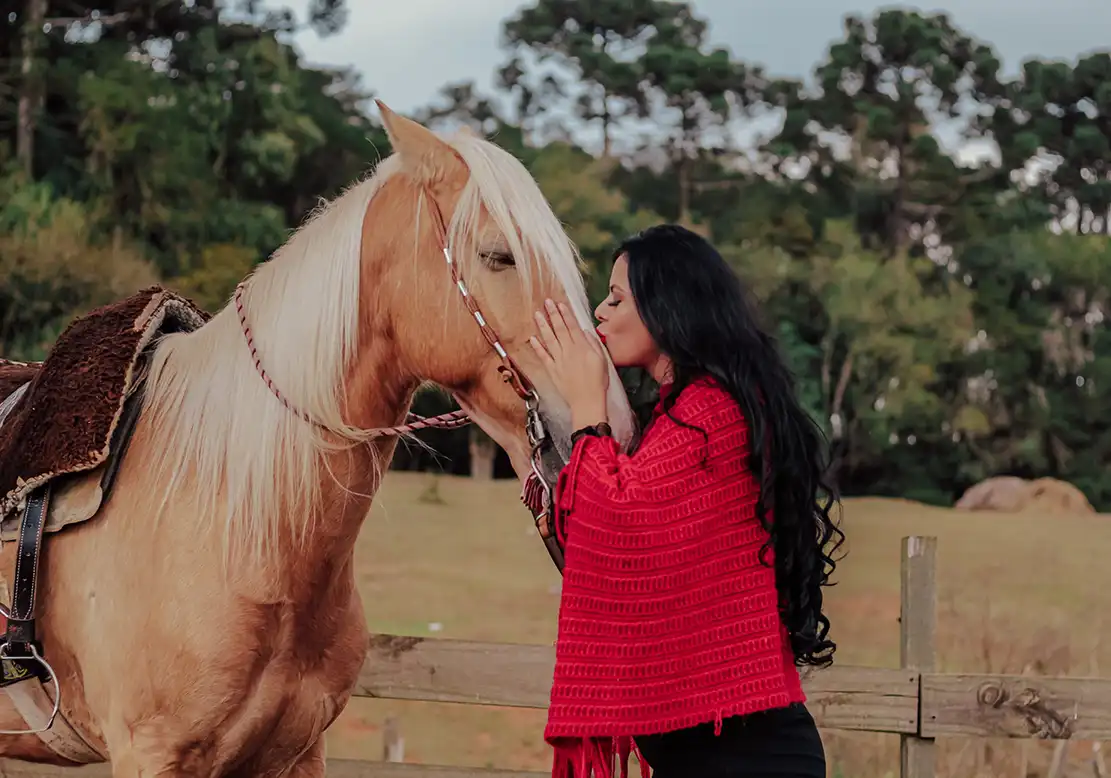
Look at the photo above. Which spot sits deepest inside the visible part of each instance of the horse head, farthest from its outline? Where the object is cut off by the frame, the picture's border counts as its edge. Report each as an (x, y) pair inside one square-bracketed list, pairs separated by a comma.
[(480, 251)]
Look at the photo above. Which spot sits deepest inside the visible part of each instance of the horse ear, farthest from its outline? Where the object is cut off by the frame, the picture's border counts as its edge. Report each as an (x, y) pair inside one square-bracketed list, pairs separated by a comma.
[(423, 154)]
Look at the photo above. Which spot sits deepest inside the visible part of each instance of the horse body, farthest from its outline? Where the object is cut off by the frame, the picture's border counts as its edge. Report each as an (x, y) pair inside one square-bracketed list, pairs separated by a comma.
[(207, 622), (170, 668)]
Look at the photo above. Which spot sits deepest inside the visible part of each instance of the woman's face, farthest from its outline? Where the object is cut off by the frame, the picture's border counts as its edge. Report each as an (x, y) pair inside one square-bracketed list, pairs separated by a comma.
[(622, 330)]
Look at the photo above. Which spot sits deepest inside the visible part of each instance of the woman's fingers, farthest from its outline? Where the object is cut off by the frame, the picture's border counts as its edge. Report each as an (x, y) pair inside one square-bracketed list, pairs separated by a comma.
[(559, 333), (546, 334), (559, 315), (542, 353)]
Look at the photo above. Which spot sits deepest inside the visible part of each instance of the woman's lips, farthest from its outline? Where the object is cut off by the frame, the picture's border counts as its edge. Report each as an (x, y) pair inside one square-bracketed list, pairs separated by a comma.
[(600, 335)]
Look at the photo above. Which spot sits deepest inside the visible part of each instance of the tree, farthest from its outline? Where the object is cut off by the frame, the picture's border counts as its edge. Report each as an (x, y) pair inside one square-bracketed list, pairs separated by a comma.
[(881, 89), (30, 92), (594, 43), (1058, 116), (945, 323), (483, 451), (53, 265), (1033, 403), (462, 105), (597, 217), (691, 93), (886, 327)]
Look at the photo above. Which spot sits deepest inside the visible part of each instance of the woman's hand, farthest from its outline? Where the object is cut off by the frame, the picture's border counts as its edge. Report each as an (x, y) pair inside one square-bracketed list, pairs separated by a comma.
[(577, 363)]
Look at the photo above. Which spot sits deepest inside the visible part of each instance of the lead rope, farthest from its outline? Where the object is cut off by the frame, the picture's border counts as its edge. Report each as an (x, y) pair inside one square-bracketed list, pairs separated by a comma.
[(447, 421)]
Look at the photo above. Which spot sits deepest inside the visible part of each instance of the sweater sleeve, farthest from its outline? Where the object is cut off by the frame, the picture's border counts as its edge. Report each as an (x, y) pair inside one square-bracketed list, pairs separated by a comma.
[(674, 467)]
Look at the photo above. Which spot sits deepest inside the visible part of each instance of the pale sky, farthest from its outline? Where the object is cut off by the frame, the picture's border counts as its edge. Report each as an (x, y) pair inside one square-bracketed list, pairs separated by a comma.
[(407, 50)]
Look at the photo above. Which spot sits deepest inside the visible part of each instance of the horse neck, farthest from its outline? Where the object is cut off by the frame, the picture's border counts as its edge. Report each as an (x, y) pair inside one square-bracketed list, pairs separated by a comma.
[(314, 562), (377, 397), (281, 493), (376, 390)]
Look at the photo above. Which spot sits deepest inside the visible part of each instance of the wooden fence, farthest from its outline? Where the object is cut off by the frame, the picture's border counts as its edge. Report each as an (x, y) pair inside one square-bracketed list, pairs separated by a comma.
[(914, 701)]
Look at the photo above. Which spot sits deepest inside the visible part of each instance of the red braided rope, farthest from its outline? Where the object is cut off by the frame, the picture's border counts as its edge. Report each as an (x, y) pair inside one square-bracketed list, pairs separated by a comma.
[(258, 360), (447, 421)]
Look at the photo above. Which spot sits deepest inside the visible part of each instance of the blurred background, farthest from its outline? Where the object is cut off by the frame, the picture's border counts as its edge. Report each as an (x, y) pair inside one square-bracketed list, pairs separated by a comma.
[(919, 197)]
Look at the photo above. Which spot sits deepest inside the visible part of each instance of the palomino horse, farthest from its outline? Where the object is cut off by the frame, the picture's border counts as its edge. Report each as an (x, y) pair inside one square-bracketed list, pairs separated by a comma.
[(206, 620)]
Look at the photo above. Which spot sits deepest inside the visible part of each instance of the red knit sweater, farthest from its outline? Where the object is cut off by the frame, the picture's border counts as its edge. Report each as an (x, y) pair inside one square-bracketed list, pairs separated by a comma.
[(668, 618)]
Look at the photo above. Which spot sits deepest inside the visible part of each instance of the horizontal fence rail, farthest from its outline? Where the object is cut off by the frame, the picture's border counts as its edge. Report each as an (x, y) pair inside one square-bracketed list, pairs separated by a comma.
[(337, 768), (520, 676), (870, 699)]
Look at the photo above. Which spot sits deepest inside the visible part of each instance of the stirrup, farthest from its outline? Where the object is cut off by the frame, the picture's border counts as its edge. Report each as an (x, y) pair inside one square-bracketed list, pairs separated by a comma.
[(16, 670)]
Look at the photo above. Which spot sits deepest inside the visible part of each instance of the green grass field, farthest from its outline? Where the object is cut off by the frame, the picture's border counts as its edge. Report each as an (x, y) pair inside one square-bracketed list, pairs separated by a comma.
[(451, 557)]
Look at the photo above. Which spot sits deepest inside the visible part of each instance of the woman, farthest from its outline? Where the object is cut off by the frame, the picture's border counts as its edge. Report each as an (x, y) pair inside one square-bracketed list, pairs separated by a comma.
[(694, 566)]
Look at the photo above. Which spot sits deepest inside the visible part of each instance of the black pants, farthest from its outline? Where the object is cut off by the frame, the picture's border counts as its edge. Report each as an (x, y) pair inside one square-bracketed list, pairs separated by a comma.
[(780, 743)]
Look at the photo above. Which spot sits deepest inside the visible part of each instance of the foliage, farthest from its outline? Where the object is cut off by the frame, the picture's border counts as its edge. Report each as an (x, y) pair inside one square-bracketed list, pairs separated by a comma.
[(945, 321), (52, 266)]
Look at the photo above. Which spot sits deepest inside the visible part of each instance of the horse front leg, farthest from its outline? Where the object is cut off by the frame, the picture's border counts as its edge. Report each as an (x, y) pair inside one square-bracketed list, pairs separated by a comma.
[(312, 763), (157, 763)]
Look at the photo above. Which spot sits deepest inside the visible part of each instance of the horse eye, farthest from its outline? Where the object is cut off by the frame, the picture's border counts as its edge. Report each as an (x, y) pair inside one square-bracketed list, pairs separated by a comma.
[(497, 260)]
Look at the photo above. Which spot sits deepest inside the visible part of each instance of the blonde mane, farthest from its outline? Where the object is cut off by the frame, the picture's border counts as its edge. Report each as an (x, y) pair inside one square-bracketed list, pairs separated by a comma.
[(250, 463)]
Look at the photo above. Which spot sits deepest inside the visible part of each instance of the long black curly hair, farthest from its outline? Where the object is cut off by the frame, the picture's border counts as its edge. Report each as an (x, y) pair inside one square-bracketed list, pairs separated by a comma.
[(698, 311)]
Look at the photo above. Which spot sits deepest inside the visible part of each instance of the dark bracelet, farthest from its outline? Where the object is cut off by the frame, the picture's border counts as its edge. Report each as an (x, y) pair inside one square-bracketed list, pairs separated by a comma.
[(602, 429)]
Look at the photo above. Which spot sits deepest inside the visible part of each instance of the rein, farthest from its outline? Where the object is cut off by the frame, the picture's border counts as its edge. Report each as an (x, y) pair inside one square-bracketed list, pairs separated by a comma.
[(536, 493)]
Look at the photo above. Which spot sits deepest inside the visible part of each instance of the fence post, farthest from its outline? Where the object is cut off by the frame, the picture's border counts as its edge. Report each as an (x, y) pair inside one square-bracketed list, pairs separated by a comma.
[(393, 744), (917, 627)]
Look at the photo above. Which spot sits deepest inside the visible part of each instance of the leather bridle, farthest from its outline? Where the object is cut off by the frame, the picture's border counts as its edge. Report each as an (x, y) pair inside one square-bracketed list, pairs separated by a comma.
[(537, 492)]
